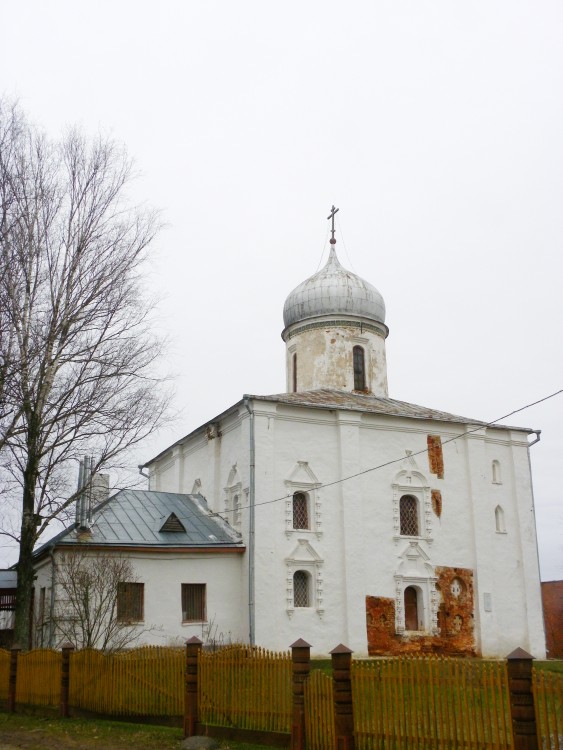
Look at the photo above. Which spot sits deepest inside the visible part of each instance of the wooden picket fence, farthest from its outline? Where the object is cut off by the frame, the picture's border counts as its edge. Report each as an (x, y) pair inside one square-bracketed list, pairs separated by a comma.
[(147, 681), (398, 703), (245, 687), (39, 677), (431, 702), (319, 713)]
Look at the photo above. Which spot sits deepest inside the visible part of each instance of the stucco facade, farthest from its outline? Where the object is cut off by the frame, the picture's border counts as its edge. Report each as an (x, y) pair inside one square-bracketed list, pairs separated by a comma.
[(354, 550)]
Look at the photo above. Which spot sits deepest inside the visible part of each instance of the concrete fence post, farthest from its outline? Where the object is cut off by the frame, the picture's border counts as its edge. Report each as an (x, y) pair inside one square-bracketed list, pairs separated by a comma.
[(66, 650), (300, 670), (12, 681), (343, 703), (191, 706), (519, 665)]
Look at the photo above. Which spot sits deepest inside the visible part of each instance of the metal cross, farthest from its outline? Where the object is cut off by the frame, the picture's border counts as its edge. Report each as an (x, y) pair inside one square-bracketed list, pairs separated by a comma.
[(331, 216)]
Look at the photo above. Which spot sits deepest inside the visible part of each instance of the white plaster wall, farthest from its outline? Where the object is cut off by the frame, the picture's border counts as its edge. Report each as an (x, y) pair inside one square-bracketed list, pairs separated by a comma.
[(162, 574), (325, 359)]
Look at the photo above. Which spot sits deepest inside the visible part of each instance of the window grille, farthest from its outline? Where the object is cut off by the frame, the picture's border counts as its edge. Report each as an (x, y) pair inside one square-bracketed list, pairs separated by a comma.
[(7, 600), (130, 602), (409, 516), (359, 369), (300, 511), (300, 589), (193, 602)]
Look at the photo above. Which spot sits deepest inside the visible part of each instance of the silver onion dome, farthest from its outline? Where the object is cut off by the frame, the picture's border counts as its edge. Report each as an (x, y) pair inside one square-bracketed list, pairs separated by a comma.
[(333, 291)]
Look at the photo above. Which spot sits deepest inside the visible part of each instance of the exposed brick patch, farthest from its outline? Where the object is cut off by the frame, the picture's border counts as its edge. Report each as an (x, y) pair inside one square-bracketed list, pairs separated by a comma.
[(455, 619), (435, 455), (552, 599), (437, 502)]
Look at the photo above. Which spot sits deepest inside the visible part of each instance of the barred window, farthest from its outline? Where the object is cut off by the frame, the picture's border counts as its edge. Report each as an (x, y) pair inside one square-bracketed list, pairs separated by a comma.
[(359, 369), (130, 602), (300, 511), (193, 602), (301, 589), (409, 515)]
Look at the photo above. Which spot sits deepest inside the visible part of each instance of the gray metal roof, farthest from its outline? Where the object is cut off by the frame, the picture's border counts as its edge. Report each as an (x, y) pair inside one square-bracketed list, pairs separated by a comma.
[(135, 517), (333, 291)]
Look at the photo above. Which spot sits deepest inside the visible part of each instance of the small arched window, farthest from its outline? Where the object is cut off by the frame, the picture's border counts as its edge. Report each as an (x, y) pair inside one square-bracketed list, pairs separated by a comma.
[(497, 478), (408, 509), (499, 520), (359, 369), (294, 372), (301, 585), (411, 609), (300, 510)]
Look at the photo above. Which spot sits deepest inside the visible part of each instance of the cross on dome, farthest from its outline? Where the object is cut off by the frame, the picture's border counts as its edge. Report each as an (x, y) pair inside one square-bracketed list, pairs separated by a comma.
[(331, 216)]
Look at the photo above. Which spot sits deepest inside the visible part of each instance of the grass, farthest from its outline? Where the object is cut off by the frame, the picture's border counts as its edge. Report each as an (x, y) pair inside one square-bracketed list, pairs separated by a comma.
[(34, 732)]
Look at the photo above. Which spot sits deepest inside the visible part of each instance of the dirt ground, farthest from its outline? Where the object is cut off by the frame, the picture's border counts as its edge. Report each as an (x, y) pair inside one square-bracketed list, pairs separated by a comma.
[(36, 733)]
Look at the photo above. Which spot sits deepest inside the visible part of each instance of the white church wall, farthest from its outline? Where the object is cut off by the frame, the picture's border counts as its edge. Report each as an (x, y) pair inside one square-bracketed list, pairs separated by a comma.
[(352, 549)]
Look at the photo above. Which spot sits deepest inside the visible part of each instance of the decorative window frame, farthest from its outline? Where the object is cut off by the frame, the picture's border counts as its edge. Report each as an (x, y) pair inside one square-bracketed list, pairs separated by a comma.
[(233, 489), (305, 557), (415, 570), (410, 482), (496, 472), (500, 523), (303, 479)]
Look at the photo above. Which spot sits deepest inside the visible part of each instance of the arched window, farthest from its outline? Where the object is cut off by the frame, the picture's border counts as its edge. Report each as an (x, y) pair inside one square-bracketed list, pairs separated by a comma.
[(411, 609), (300, 510), (294, 373), (301, 597), (499, 520), (359, 369), (408, 509), (497, 479)]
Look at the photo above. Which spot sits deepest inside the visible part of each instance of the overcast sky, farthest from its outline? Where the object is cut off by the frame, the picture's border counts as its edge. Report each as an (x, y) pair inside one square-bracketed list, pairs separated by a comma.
[(436, 127)]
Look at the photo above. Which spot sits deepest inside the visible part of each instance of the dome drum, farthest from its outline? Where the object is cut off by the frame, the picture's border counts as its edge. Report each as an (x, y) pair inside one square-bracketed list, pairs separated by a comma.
[(335, 333)]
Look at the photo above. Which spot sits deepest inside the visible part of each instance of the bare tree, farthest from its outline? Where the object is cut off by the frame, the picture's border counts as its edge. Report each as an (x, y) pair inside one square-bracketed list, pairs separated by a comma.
[(80, 360), (87, 611)]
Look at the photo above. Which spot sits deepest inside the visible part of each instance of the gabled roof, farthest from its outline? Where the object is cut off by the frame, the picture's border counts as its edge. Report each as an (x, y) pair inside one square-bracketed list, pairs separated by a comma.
[(327, 398), (134, 518)]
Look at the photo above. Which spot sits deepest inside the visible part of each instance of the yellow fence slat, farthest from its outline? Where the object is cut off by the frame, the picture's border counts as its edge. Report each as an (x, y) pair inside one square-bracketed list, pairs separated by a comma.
[(4, 673)]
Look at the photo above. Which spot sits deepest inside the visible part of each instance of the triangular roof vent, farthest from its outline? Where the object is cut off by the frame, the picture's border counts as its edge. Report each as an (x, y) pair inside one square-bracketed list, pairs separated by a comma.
[(173, 523)]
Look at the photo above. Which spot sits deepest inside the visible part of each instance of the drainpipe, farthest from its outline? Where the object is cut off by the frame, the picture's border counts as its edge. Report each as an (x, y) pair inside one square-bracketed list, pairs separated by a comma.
[(252, 452), (537, 433), (52, 601)]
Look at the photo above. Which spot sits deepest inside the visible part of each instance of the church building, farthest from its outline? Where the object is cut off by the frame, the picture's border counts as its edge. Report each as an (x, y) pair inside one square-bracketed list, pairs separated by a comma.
[(390, 527), (330, 512)]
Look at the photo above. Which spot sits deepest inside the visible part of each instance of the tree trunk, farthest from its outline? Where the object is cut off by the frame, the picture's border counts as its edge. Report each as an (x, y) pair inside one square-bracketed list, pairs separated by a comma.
[(26, 575)]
